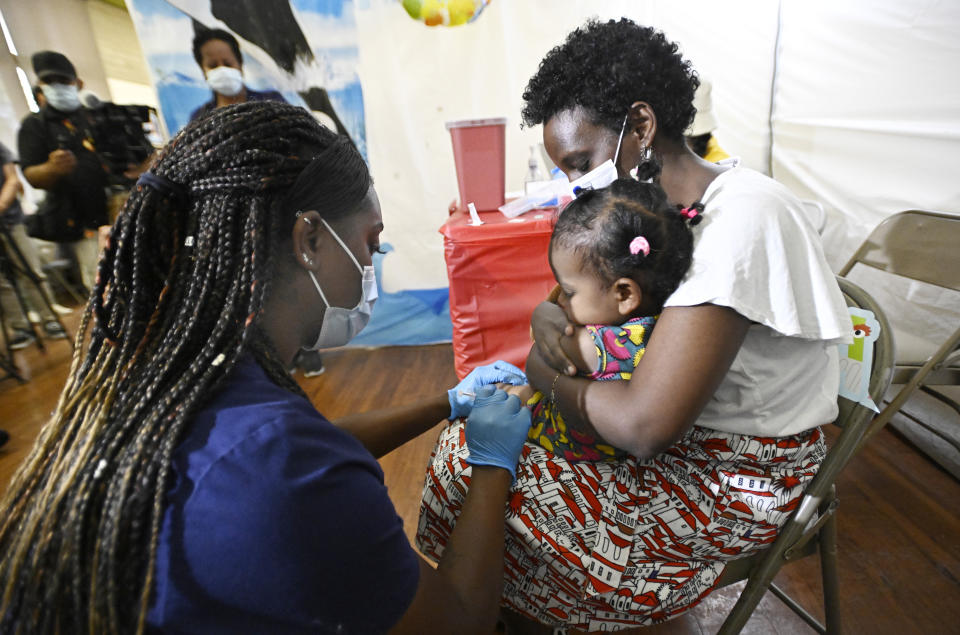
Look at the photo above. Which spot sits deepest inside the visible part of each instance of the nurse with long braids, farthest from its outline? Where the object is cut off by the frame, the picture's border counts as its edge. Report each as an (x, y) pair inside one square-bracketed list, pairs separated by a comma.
[(185, 483)]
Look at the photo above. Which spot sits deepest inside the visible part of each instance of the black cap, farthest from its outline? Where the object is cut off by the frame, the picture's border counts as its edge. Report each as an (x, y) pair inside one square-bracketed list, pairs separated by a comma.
[(52, 64)]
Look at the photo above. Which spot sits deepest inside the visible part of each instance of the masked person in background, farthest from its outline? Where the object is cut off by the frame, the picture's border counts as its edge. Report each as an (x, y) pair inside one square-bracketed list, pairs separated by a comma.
[(218, 54), (58, 155)]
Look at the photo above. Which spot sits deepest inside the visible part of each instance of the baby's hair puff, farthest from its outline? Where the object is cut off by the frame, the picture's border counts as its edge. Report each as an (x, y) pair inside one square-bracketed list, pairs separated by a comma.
[(629, 230)]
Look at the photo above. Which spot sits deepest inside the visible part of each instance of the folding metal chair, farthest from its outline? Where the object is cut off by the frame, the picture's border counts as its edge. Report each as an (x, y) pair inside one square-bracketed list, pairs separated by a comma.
[(921, 246), (812, 526)]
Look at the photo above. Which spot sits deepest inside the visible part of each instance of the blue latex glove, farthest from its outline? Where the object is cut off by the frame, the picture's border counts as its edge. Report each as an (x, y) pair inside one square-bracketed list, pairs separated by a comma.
[(496, 429), (461, 396)]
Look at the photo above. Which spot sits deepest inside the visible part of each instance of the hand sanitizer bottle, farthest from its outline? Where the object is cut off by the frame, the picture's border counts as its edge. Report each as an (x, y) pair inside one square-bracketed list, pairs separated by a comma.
[(533, 171)]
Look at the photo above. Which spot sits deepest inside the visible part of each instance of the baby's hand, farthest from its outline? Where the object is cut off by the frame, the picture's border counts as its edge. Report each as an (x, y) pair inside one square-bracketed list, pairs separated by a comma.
[(523, 392)]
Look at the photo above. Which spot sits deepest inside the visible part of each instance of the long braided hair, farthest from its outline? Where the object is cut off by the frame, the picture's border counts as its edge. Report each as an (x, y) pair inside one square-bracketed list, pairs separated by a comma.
[(179, 295)]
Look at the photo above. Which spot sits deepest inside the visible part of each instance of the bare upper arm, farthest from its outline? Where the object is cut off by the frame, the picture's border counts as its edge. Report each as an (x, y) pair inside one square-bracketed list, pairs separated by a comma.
[(422, 614), (581, 349), (436, 608)]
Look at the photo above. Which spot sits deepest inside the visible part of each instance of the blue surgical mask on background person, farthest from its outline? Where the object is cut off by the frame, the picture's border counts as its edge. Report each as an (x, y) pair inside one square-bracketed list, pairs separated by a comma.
[(340, 325), (63, 97), (225, 80)]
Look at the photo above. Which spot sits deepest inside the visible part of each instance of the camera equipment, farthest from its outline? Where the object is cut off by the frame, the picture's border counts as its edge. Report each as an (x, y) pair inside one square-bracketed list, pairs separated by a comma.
[(120, 137)]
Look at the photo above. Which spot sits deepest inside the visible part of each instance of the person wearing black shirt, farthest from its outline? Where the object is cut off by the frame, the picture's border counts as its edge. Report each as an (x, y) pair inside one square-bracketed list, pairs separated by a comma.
[(58, 154)]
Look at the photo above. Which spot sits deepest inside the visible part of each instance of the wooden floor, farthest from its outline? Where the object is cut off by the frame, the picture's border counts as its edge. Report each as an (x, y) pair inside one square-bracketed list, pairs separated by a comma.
[(899, 516)]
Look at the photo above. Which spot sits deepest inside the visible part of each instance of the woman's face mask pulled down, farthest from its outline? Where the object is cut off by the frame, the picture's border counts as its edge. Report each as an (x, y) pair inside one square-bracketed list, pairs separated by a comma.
[(576, 145), (344, 279), (590, 154)]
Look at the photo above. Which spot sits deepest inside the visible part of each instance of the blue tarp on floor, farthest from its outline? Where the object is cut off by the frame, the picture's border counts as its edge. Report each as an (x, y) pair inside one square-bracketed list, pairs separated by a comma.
[(406, 318)]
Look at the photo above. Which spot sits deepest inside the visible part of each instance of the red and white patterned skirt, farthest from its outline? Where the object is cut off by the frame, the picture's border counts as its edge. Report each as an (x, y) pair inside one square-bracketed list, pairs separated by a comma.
[(607, 546)]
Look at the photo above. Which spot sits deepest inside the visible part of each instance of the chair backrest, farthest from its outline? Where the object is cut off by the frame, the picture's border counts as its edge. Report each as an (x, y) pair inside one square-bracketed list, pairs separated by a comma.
[(852, 413), (914, 244), (855, 418)]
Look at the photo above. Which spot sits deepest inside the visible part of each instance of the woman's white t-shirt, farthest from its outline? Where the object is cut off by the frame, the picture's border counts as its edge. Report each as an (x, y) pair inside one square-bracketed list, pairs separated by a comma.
[(756, 252)]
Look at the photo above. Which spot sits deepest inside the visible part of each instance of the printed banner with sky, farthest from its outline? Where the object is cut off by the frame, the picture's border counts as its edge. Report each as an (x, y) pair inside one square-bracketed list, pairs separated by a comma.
[(307, 50)]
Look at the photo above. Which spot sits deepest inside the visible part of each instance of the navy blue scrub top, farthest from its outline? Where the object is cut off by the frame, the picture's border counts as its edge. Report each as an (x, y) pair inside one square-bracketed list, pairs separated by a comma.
[(277, 522)]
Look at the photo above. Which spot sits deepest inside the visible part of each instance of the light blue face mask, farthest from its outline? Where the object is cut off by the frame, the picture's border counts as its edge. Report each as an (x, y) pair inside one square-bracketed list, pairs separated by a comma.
[(63, 97), (340, 325)]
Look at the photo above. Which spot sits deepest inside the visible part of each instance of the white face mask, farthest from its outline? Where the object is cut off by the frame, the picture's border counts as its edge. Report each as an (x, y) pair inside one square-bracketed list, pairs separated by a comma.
[(225, 80), (63, 97), (602, 175), (341, 325)]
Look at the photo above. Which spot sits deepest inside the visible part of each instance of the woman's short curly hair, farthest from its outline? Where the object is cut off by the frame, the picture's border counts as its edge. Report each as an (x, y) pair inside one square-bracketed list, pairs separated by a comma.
[(606, 66)]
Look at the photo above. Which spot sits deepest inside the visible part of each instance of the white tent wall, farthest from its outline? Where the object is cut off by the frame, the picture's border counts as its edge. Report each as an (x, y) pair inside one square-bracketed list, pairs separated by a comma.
[(865, 110), (416, 78), (732, 45), (866, 115), (866, 119), (855, 104)]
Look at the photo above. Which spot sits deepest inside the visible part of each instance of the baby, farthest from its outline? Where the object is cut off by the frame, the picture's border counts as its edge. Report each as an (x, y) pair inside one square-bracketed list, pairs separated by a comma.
[(617, 254)]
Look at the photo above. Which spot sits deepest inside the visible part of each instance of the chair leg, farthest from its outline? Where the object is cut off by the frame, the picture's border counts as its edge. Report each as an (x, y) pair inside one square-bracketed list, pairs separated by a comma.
[(828, 570), (797, 608), (753, 592), (761, 577)]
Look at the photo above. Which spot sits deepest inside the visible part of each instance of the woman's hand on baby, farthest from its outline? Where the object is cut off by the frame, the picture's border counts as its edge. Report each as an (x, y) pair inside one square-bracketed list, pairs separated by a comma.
[(496, 429), (462, 395), (549, 324)]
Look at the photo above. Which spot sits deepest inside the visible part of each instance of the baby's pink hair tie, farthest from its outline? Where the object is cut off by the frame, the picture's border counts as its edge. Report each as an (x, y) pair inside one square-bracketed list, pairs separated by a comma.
[(639, 244)]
